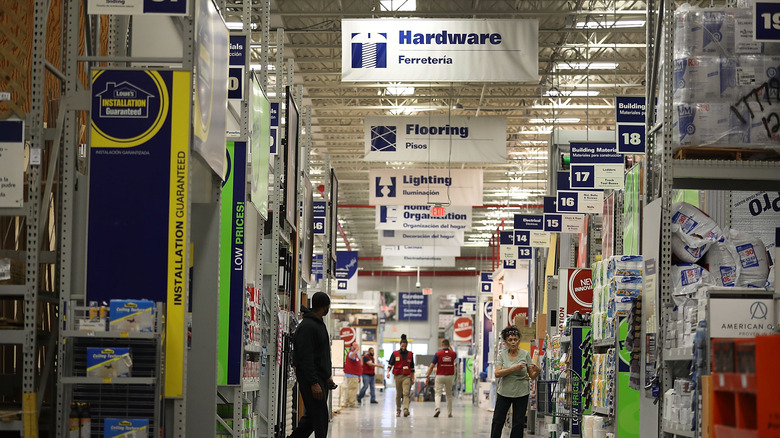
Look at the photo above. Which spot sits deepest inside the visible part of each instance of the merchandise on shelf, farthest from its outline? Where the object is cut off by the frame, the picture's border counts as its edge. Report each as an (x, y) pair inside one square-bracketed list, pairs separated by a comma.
[(740, 260), (617, 282), (678, 409), (693, 232), (109, 362), (125, 427), (682, 324), (80, 421), (131, 316), (687, 278)]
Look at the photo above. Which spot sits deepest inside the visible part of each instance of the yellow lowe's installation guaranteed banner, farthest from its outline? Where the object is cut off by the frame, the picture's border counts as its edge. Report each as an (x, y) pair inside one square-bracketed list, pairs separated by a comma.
[(138, 230)]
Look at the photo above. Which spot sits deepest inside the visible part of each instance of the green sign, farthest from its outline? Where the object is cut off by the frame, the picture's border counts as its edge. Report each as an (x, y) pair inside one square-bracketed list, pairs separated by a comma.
[(631, 211), (627, 409)]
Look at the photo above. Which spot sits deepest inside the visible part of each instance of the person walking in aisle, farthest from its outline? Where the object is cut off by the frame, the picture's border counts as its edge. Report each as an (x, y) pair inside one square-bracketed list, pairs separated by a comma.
[(311, 359), (444, 361), (369, 376), (401, 363), (512, 365), (353, 369)]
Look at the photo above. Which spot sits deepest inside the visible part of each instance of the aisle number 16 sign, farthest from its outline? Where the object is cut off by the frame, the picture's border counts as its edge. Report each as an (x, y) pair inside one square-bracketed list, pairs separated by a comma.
[(580, 201)]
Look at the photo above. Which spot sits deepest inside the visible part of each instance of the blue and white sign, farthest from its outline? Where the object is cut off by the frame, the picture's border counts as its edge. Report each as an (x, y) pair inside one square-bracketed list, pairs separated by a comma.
[(514, 252), (137, 7), (550, 201), (580, 202), (524, 253), (412, 306), (422, 238), (414, 250), (237, 60), (506, 237), (595, 153), (317, 268), (529, 222), (510, 264), (454, 187), (596, 166), (562, 180), (11, 163), (274, 126), (766, 16), (564, 223), (436, 50), (418, 217), (319, 212), (486, 282), (438, 139), (419, 261), (630, 114), (466, 305), (346, 272)]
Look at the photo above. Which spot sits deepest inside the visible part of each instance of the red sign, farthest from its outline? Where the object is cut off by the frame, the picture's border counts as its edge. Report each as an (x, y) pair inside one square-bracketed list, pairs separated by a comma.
[(427, 291), (464, 329), (438, 211), (515, 312), (575, 293), (347, 334)]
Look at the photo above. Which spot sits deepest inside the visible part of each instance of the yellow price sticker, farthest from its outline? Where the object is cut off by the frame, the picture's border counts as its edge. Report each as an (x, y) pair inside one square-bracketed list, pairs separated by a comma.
[(124, 334), (106, 379)]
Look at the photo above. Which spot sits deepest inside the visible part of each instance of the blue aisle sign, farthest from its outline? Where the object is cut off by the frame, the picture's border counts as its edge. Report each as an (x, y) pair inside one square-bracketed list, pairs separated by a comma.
[(510, 264), (524, 252), (630, 113), (596, 166), (346, 272), (564, 223), (552, 223), (529, 222), (563, 180), (506, 237), (766, 16), (237, 59), (595, 153), (549, 203), (274, 126), (486, 282), (319, 217), (317, 268), (413, 306), (580, 202)]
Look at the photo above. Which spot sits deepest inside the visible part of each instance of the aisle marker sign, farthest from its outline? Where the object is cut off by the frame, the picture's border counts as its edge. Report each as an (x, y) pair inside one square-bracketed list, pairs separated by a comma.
[(580, 202), (486, 282), (596, 166), (630, 112), (564, 223), (11, 163), (274, 126), (766, 16), (319, 217), (137, 7), (237, 59), (529, 222)]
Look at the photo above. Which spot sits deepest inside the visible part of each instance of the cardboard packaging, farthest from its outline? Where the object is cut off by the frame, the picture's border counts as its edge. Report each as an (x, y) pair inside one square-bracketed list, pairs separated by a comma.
[(109, 362), (126, 427), (131, 316)]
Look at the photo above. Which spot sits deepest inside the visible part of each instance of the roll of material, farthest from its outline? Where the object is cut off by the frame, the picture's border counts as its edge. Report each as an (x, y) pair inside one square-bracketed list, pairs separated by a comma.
[(693, 231), (598, 427), (587, 426)]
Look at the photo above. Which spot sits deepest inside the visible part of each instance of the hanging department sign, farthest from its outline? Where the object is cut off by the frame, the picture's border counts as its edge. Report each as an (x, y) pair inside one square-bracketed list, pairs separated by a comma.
[(433, 50), (412, 306), (438, 139), (346, 272), (319, 216), (424, 186), (137, 7), (419, 261), (422, 238), (596, 166), (630, 120), (486, 282), (418, 217), (564, 223), (401, 250), (580, 202)]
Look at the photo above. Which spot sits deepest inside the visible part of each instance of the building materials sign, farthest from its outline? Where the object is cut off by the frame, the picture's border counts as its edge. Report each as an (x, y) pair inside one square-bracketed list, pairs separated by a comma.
[(630, 120), (596, 166), (418, 217), (425, 186), (437, 139), (433, 50), (422, 238)]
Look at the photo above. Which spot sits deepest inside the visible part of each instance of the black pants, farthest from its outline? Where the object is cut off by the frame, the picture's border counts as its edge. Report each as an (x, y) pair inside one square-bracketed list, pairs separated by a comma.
[(315, 418), (519, 405)]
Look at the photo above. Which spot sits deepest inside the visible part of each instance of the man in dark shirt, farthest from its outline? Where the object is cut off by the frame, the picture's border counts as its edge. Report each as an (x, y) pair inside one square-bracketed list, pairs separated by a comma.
[(311, 358), (401, 364)]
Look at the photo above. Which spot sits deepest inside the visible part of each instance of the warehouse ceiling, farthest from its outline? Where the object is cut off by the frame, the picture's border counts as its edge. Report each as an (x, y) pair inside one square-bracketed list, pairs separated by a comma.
[(589, 52)]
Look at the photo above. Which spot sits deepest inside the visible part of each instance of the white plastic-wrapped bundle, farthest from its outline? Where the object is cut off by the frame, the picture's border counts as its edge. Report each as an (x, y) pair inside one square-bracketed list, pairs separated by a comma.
[(587, 426), (696, 79), (688, 30), (704, 123), (753, 260), (770, 279), (721, 262), (624, 265), (687, 278), (693, 231), (718, 32), (744, 41)]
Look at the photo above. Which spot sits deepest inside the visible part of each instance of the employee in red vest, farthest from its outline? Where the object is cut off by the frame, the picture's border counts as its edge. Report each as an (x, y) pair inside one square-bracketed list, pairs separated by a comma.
[(401, 364), (369, 376), (353, 369), (444, 361)]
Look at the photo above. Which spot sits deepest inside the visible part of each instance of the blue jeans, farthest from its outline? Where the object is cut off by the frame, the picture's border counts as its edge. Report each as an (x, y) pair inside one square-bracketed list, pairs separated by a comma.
[(369, 380)]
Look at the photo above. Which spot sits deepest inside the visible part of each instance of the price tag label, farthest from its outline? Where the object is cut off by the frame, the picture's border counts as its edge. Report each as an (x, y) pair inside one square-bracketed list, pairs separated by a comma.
[(124, 334), (106, 379)]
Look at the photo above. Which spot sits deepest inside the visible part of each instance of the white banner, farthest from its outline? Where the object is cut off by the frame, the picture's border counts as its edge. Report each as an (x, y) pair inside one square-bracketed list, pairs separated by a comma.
[(422, 238), (437, 139), (421, 261), (741, 317), (507, 252), (424, 186), (426, 251), (418, 217), (434, 50)]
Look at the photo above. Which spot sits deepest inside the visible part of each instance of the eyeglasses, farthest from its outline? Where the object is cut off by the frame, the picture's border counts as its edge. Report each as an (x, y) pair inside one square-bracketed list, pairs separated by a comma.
[(512, 339)]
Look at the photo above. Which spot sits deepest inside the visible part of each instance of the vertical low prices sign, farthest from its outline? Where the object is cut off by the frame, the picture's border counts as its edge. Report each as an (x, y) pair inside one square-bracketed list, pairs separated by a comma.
[(346, 272), (630, 114), (138, 190), (412, 306), (575, 293)]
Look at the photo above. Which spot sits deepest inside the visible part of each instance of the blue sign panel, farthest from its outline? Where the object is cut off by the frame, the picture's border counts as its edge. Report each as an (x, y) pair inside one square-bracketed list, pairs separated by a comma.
[(582, 176), (168, 7), (529, 222), (486, 282), (522, 237), (274, 126), (567, 201), (319, 217), (630, 109), (631, 139), (549, 203), (412, 306), (595, 153), (317, 268), (552, 223), (506, 238), (236, 60), (510, 264), (346, 271), (563, 180), (767, 21), (524, 253)]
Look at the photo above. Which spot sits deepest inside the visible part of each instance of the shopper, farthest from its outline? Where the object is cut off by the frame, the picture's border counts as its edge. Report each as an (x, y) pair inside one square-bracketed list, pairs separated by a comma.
[(311, 358), (513, 384), (444, 361), (353, 369), (369, 376), (401, 364)]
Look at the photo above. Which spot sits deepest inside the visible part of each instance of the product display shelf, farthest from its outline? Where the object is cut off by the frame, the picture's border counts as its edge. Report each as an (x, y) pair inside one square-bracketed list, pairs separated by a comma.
[(608, 342), (676, 429), (679, 354), (600, 411)]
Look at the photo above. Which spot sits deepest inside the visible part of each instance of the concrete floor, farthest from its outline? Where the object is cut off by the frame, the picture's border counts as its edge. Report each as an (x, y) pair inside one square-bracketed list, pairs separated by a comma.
[(379, 420)]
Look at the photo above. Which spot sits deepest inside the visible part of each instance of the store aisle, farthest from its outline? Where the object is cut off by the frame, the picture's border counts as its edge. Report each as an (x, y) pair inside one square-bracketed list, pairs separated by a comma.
[(379, 420)]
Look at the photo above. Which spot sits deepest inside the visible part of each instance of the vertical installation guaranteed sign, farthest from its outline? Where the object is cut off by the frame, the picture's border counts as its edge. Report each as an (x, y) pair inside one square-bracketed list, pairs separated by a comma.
[(138, 218)]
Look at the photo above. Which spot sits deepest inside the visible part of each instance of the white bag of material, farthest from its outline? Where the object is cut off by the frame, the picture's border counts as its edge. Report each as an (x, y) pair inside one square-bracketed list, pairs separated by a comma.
[(687, 278), (721, 262), (770, 280), (752, 257), (693, 231), (587, 426)]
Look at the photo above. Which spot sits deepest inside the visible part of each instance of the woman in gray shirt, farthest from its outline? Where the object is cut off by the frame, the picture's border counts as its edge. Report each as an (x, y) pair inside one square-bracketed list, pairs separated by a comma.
[(512, 367)]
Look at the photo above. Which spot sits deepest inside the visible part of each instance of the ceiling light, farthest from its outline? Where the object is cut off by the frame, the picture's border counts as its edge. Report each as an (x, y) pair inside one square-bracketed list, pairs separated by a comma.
[(398, 5), (259, 66), (457, 106), (399, 90), (558, 120), (234, 25), (586, 66), (609, 24), (572, 93)]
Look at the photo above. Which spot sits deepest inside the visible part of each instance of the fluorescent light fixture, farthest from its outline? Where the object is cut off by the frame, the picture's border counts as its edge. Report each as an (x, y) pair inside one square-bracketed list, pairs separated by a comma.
[(558, 120), (534, 142), (582, 65), (398, 5), (572, 93), (258, 67), (609, 24), (399, 90), (541, 131), (570, 106)]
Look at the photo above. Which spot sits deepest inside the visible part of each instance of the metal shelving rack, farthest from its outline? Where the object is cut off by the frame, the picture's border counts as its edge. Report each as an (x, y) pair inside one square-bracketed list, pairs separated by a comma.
[(663, 174)]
